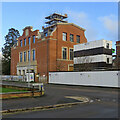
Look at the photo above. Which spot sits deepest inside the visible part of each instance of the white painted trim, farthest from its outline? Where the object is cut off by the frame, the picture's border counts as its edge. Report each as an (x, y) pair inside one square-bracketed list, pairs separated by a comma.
[(69, 66), (66, 36), (67, 53), (73, 53), (32, 54)]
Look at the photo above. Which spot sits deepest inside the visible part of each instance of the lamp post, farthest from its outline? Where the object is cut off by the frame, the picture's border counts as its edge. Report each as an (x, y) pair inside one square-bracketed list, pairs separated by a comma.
[(29, 61)]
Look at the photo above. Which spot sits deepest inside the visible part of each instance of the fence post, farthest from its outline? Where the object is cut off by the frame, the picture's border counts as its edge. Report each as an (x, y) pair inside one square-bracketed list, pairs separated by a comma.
[(32, 91)]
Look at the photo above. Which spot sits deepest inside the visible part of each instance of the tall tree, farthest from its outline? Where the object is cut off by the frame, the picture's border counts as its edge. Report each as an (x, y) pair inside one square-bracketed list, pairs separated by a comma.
[(10, 40)]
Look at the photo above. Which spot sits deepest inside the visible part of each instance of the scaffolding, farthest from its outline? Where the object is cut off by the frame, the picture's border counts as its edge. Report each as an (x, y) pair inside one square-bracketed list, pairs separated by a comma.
[(53, 19)]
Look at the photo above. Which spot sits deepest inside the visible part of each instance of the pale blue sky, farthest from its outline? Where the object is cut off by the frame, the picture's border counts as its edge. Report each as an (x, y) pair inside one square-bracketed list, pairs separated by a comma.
[(100, 19)]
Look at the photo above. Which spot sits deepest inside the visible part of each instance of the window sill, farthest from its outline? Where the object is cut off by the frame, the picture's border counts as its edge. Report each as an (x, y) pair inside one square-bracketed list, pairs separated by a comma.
[(64, 40), (64, 60)]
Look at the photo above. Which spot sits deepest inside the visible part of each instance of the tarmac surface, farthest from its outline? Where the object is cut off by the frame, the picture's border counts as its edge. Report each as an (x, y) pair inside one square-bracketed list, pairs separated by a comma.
[(93, 110), (103, 103)]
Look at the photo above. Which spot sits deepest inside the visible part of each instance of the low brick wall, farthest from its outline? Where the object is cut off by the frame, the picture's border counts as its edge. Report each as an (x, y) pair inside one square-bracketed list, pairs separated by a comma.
[(32, 92), (20, 94)]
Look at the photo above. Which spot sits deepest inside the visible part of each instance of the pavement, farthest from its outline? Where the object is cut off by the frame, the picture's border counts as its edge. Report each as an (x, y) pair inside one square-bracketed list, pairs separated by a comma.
[(103, 103)]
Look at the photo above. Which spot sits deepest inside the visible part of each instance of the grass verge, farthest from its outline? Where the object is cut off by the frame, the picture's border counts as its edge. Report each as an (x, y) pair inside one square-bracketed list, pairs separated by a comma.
[(6, 90)]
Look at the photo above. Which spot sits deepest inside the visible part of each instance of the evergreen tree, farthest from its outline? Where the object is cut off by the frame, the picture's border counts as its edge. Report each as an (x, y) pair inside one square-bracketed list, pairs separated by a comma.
[(10, 40)]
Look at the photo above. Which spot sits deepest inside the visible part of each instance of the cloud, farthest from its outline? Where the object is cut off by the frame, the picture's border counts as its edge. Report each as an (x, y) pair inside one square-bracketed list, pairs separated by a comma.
[(79, 17), (110, 23), (82, 19), (103, 27)]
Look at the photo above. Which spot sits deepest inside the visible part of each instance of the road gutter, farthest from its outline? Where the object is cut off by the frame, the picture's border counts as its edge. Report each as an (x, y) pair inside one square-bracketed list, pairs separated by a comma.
[(56, 106)]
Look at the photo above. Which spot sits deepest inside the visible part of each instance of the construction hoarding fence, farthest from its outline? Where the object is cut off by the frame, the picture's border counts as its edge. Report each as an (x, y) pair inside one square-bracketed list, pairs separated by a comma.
[(92, 78)]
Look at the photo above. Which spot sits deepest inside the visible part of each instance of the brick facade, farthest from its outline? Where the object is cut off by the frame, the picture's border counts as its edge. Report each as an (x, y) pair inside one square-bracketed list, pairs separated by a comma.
[(48, 50), (118, 54), (118, 48)]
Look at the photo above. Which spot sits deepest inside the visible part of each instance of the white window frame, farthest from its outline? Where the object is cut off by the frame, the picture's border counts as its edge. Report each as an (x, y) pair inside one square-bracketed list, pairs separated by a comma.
[(64, 36), (32, 55), (21, 59), (25, 42), (29, 40), (20, 43), (77, 39), (71, 37), (33, 38), (69, 53), (66, 53), (28, 55), (24, 56)]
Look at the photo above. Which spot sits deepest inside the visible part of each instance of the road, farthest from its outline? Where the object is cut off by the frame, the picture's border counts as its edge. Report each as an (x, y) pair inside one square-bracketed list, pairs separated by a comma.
[(93, 110), (104, 103)]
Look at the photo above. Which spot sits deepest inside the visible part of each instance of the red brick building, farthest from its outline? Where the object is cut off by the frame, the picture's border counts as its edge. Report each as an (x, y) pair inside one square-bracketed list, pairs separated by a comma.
[(49, 50), (118, 54), (118, 48)]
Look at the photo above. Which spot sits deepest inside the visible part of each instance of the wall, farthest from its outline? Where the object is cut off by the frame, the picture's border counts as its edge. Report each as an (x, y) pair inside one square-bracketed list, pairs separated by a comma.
[(69, 29), (95, 54), (42, 54), (118, 48), (15, 52), (48, 50), (63, 64), (95, 78)]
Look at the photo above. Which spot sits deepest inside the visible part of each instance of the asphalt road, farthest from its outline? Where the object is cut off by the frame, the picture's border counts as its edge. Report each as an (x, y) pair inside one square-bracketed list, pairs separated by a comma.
[(93, 110), (104, 103)]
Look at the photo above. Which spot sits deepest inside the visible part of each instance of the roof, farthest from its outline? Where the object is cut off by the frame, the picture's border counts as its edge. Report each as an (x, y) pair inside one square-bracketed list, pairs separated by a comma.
[(72, 24), (65, 24)]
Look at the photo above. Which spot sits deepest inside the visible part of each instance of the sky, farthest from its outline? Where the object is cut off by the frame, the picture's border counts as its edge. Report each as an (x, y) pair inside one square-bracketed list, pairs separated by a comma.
[(100, 19)]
